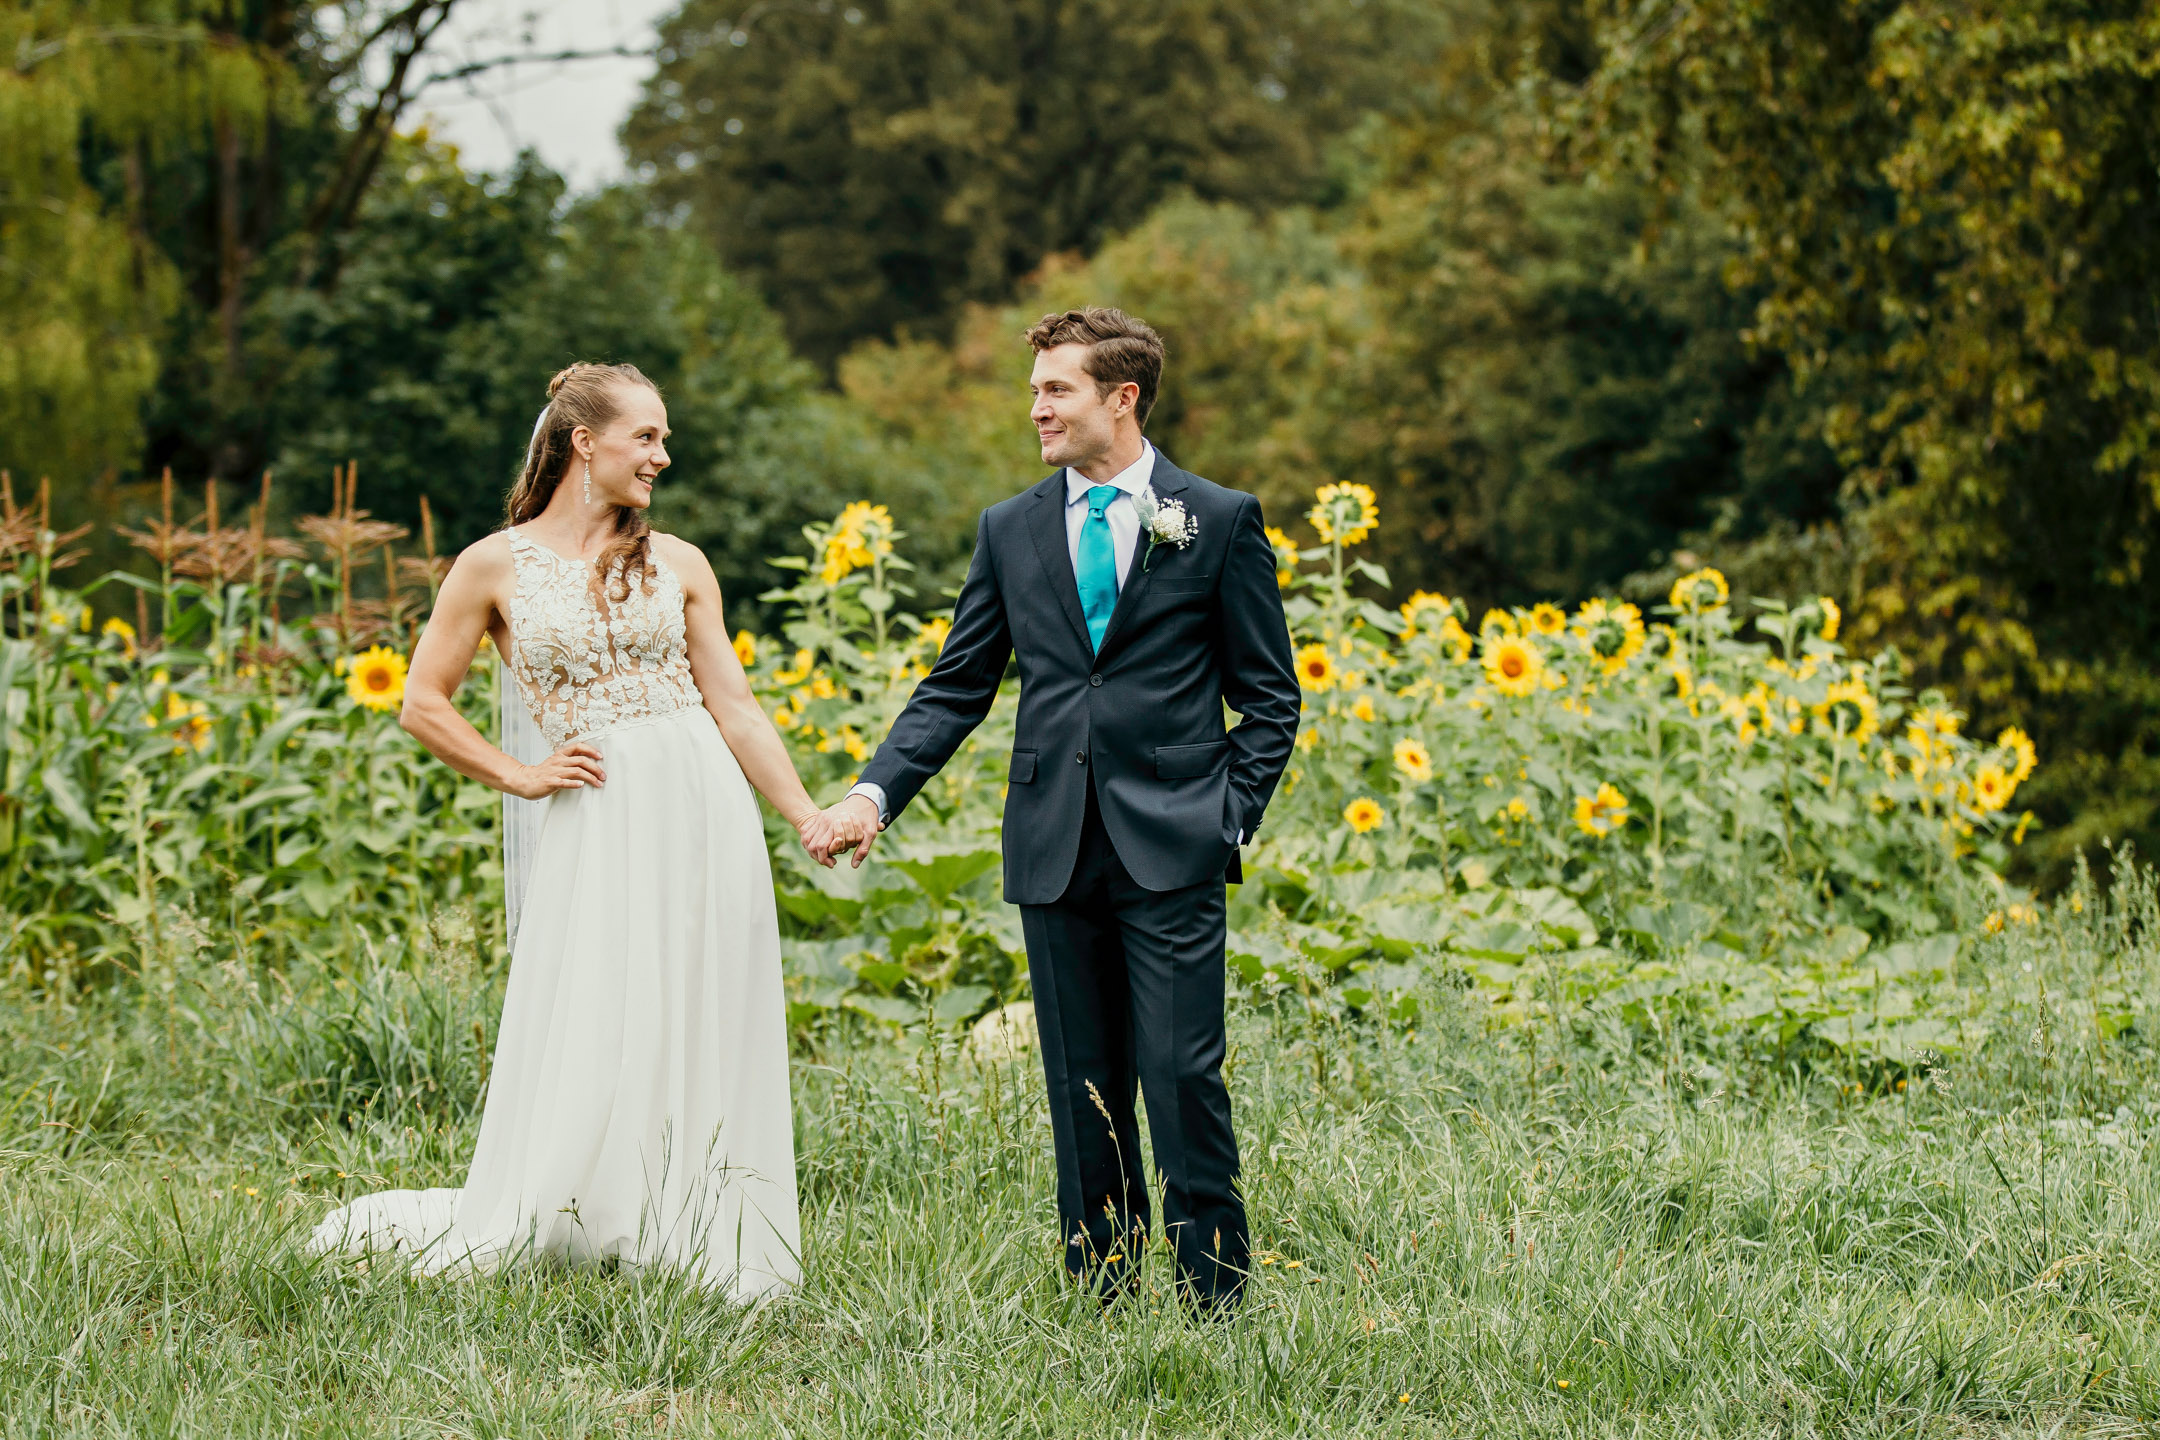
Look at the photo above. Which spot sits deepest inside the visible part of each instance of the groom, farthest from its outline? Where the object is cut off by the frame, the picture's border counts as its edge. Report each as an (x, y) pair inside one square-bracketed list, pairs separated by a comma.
[(1139, 601)]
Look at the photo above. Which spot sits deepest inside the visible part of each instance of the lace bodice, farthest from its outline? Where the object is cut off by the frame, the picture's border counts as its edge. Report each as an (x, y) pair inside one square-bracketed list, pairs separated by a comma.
[(584, 669)]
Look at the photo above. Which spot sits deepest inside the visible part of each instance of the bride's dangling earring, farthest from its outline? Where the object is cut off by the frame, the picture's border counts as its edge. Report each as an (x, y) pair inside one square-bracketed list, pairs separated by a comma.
[(588, 482)]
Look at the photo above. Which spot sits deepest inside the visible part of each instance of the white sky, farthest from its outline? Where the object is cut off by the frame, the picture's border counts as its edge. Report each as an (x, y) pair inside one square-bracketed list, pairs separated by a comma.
[(569, 112)]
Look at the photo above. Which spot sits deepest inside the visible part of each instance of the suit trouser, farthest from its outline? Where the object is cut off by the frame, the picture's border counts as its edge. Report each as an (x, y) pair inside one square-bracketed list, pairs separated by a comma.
[(1129, 990)]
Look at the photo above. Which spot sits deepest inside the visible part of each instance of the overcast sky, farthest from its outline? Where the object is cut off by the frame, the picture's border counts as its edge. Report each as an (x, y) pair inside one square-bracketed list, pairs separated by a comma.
[(568, 112)]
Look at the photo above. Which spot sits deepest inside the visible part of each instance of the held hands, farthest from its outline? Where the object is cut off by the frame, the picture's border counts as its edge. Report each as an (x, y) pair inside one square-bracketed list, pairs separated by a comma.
[(573, 767), (850, 825)]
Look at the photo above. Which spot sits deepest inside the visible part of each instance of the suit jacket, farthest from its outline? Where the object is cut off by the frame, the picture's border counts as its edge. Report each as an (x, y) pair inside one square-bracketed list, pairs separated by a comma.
[(1141, 720)]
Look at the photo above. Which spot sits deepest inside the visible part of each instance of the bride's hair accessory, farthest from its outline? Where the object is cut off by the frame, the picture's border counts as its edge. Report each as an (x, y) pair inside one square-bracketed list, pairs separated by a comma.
[(540, 421)]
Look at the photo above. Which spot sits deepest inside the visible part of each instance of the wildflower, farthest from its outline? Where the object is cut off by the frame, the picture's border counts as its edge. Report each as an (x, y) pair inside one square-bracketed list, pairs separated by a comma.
[(1513, 665), (1363, 814), (1425, 612), (1700, 590), (126, 632), (1286, 557), (1611, 631), (797, 671), (1316, 668), (746, 648), (1994, 923), (1518, 808), (1848, 710), (1363, 709), (1307, 738), (785, 717), (1832, 617), (376, 678), (1602, 813), (1413, 759), (1343, 514), (1991, 788), (1547, 619), (822, 687), (2017, 836), (2018, 743)]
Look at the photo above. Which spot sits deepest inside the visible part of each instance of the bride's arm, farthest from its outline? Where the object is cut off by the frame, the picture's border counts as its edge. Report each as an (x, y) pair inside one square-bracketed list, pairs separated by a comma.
[(463, 613), (725, 689)]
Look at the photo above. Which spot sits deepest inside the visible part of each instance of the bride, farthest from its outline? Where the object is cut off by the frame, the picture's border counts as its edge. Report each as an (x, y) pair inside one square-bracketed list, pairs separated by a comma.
[(637, 1108)]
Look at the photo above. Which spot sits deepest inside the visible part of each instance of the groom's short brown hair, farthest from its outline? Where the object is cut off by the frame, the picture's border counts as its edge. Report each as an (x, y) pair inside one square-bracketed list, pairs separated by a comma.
[(1122, 349)]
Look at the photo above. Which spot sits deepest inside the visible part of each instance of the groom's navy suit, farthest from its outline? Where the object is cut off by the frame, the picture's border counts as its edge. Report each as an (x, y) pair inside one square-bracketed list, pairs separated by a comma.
[(1123, 817)]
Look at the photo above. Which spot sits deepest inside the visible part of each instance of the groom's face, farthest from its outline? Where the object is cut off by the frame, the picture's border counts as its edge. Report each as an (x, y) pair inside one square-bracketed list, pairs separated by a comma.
[(1075, 421)]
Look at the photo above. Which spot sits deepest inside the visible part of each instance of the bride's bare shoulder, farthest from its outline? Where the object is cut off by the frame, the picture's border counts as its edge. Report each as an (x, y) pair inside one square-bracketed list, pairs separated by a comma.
[(685, 559), (483, 563)]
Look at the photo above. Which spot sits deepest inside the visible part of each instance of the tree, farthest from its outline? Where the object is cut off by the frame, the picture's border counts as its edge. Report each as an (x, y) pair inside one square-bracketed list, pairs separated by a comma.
[(1950, 212), (875, 165)]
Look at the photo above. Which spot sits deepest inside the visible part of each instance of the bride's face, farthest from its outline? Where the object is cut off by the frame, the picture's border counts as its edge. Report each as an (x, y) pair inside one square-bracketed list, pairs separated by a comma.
[(629, 453)]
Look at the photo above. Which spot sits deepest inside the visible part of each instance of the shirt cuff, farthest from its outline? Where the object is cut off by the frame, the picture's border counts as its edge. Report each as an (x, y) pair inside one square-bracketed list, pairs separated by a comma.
[(876, 795)]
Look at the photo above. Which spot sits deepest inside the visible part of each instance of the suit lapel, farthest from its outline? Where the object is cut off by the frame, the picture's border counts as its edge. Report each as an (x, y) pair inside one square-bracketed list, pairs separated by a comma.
[(1167, 479), (1046, 523)]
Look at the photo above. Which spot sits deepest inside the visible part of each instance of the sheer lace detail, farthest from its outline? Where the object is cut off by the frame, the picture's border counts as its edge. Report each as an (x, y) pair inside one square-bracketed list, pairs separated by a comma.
[(583, 669)]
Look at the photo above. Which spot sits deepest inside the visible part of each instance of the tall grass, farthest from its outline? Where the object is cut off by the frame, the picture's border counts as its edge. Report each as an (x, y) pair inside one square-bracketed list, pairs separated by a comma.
[(1459, 1230)]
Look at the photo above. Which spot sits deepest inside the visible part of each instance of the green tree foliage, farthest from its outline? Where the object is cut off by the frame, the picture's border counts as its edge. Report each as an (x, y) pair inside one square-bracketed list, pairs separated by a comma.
[(99, 89), (1951, 214), (875, 165)]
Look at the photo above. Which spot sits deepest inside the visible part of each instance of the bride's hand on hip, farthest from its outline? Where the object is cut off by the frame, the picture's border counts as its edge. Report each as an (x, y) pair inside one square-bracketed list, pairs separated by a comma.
[(573, 767)]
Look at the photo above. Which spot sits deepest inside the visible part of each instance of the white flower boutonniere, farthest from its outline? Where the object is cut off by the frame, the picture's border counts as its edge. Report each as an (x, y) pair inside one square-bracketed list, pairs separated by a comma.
[(1165, 521)]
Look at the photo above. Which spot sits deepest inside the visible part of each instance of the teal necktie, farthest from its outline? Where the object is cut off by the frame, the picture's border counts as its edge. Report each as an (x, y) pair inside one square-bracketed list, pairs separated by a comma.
[(1095, 567)]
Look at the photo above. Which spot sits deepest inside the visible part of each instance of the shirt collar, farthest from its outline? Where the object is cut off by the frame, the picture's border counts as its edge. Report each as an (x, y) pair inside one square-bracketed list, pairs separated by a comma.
[(1132, 479)]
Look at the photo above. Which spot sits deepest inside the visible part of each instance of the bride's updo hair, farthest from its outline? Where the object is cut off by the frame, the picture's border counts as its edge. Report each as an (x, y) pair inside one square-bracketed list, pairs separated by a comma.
[(587, 395)]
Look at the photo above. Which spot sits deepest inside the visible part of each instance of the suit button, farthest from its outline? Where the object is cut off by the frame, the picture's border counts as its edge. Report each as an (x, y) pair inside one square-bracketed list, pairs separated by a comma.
[(1079, 757), (1094, 679)]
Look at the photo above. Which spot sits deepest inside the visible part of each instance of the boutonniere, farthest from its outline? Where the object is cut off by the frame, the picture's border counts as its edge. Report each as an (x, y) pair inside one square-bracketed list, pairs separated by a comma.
[(1165, 521)]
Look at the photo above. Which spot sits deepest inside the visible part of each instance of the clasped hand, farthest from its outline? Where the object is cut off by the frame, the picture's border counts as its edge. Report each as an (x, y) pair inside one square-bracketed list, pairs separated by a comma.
[(850, 825)]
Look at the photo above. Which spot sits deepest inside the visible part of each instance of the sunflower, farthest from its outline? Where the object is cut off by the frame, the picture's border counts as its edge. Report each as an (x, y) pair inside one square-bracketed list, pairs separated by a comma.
[(1518, 809), (1611, 631), (1286, 557), (1848, 710), (1992, 788), (188, 720), (1363, 709), (1343, 514), (2018, 743), (1602, 813), (126, 632), (746, 648), (1700, 590), (1316, 668), (1425, 613), (869, 528), (1513, 665), (933, 635), (1497, 622), (1547, 619), (376, 679), (1413, 759), (1455, 641), (1364, 814), (1832, 617), (1935, 720), (797, 670)]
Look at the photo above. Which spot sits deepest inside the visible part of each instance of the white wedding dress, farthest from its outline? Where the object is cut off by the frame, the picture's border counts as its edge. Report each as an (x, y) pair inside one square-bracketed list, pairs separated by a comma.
[(637, 1108)]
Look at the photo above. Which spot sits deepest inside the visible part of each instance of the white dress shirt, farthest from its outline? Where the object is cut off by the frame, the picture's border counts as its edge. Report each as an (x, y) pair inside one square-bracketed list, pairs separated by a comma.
[(1122, 515), (1124, 520)]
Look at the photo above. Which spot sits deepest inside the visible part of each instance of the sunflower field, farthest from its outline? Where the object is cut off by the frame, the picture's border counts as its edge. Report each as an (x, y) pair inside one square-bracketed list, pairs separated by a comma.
[(1708, 822)]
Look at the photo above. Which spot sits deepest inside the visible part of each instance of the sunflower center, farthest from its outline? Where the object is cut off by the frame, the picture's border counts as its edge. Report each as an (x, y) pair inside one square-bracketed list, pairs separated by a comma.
[(376, 680), (1512, 665)]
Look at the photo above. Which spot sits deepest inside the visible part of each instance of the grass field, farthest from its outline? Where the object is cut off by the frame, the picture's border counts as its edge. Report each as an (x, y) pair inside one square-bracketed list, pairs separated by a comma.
[(1581, 1230)]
